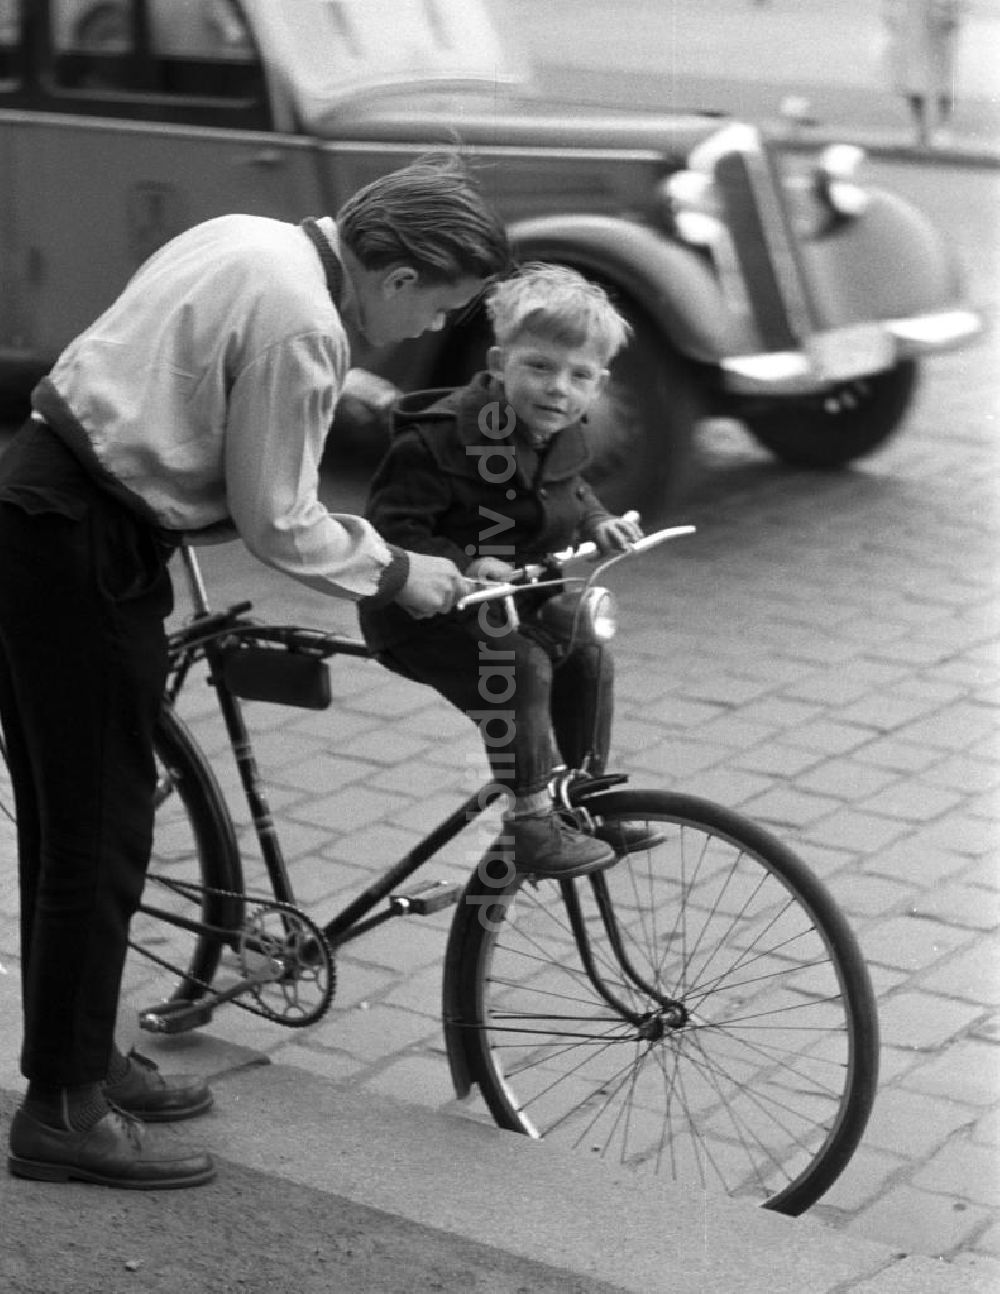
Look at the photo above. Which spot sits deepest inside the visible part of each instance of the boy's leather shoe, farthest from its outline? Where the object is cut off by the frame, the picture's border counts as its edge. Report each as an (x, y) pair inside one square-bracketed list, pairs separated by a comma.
[(116, 1151), (628, 837), (546, 846), (157, 1098)]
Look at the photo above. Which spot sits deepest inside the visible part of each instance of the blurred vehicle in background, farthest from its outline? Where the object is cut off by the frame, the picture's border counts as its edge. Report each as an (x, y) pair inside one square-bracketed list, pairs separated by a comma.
[(778, 291)]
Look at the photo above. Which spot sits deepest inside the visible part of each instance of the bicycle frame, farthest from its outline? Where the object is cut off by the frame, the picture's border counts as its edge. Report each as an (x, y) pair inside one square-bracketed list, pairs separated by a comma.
[(210, 635), (213, 635)]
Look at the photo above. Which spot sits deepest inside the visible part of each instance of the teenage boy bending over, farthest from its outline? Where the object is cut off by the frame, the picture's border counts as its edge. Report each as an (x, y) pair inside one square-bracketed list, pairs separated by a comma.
[(490, 476)]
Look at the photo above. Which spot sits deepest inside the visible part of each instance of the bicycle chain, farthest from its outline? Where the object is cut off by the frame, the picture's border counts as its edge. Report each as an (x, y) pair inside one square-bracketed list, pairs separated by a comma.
[(265, 904)]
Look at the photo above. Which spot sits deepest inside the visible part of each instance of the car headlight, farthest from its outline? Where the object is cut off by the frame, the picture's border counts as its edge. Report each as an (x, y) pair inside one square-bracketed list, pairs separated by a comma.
[(835, 179), (689, 204)]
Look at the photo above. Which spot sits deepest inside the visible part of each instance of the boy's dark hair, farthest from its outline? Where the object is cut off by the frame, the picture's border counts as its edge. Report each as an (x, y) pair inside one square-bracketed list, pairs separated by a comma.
[(429, 215)]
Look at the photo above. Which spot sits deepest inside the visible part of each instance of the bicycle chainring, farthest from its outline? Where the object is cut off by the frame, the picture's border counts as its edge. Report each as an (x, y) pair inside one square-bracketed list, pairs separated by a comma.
[(287, 962)]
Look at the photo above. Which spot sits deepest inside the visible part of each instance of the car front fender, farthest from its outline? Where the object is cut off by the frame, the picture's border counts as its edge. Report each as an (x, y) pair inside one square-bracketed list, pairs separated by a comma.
[(889, 262), (671, 284)]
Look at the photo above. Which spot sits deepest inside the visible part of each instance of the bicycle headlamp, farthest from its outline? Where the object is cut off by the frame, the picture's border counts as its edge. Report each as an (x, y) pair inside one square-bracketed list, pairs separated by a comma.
[(598, 606), (580, 617)]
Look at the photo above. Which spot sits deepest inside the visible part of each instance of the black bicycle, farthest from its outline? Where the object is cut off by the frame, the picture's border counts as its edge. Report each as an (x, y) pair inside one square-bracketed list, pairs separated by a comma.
[(699, 1010)]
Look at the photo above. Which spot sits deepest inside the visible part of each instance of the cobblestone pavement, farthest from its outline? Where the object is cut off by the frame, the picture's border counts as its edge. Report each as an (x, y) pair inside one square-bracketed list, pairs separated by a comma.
[(822, 656)]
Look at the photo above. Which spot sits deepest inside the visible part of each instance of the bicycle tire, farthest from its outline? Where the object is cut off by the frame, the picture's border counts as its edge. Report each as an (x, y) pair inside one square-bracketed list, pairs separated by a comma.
[(758, 1081), (194, 845)]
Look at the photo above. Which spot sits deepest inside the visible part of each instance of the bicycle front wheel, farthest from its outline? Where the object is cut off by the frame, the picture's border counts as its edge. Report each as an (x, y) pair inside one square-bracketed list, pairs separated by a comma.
[(701, 1010)]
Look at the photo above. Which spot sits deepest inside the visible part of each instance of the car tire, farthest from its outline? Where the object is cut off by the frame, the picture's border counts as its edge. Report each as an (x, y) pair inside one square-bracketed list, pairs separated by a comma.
[(642, 429), (837, 426)]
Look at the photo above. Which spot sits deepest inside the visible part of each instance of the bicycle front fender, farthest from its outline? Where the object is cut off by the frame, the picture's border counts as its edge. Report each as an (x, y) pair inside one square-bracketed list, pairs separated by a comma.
[(452, 1004)]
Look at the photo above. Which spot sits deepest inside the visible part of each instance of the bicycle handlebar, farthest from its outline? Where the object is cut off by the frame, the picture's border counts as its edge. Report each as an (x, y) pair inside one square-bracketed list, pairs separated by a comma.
[(530, 576)]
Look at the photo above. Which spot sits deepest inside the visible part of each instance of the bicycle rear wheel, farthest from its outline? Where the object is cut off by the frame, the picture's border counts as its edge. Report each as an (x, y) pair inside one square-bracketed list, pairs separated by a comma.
[(701, 1010), (194, 880), (192, 905)]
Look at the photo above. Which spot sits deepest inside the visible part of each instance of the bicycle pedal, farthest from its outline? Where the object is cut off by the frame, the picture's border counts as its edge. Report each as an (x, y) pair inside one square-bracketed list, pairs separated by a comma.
[(175, 1017), (425, 897)]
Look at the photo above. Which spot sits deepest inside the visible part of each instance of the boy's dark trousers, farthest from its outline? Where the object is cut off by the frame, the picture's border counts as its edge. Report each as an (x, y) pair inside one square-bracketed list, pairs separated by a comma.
[(84, 591), (518, 686)]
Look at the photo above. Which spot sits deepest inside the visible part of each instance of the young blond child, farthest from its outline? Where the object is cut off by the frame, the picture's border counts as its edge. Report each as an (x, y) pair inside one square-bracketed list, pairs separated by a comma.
[(491, 476)]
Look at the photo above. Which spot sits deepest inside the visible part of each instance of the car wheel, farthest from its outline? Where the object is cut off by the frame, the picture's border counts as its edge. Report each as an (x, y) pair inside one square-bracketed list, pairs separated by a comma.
[(839, 425), (642, 429)]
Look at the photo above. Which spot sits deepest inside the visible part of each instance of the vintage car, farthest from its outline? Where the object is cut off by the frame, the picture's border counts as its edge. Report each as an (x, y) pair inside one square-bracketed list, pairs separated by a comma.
[(761, 285)]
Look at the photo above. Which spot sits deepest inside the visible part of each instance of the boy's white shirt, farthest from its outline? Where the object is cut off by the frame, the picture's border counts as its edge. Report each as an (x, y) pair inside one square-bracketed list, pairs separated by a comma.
[(208, 389)]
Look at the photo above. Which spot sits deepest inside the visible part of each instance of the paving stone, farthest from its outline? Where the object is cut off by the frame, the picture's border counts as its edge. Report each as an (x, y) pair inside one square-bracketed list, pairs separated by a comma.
[(795, 808), (335, 1065), (963, 1169), (678, 760), (865, 1177), (418, 1080), (284, 746), (911, 801), (367, 1035), (986, 1131), (350, 808), (989, 1243), (900, 756), (851, 829), (911, 943), (961, 905), (954, 728), (734, 731), (777, 759), (922, 1021), (913, 1125), (333, 727), (386, 746), (829, 736), (917, 859), (887, 711), (418, 778), (916, 1275), (391, 699), (920, 1221), (729, 786), (969, 1071), (846, 779), (969, 975), (319, 774), (723, 689), (676, 712)]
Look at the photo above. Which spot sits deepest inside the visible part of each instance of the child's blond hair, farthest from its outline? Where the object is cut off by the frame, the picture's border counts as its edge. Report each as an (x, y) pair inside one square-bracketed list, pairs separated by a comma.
[(556, 302)]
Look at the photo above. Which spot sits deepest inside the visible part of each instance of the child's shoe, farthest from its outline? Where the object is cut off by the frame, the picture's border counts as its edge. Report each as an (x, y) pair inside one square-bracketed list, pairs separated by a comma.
[(629, 837), (546, 846)]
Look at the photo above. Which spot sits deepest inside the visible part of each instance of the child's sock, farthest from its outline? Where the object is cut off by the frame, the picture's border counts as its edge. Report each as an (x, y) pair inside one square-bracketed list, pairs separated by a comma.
[(532, 806)]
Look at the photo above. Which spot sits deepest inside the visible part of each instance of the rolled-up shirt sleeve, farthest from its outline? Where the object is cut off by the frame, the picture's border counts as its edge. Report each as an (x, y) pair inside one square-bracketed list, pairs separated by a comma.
[(279, 413)]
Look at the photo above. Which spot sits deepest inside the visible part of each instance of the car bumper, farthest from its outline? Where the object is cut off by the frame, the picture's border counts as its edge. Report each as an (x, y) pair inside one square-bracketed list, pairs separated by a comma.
[(846, 354)]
